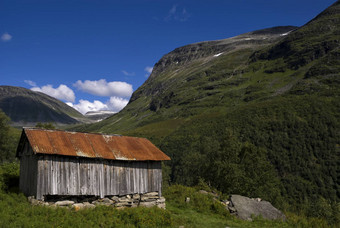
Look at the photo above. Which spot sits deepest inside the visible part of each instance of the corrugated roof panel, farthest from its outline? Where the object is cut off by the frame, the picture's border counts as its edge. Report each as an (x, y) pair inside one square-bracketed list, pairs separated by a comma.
[(100, 147), (81, 145), (129, 148), (40, 142), (151, 148), (60, 143), (93, 145)]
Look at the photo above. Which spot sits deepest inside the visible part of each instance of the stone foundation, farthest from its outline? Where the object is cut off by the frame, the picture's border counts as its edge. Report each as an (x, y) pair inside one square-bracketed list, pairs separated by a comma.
[(149, 199)]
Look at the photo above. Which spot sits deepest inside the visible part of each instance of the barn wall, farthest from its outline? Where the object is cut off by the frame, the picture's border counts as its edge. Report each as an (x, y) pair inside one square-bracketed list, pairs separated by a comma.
[(28, 171), (62, 175)]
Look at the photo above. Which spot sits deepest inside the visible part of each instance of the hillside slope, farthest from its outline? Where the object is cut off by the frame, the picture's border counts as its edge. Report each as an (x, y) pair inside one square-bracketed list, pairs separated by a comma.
[(256, 114), (189, 75), (26, 107)]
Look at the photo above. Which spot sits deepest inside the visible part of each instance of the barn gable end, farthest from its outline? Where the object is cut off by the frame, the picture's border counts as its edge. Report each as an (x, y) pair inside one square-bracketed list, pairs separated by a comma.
[(76, 164)]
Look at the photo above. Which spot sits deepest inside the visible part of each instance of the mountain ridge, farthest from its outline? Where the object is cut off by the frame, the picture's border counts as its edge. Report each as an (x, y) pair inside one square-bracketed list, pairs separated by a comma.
[(215, 48), (26, 107), (153, 86)]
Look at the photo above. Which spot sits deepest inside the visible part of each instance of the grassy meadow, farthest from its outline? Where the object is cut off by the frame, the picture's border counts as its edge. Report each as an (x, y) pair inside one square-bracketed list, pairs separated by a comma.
[(201, 211)]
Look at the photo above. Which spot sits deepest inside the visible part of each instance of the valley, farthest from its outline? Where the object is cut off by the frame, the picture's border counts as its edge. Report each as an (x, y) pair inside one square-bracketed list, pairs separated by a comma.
[(256, 114)]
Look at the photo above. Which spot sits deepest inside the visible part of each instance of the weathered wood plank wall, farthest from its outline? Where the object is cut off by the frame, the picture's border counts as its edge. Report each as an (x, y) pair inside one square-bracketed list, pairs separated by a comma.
[(28, 172), (61, 175)]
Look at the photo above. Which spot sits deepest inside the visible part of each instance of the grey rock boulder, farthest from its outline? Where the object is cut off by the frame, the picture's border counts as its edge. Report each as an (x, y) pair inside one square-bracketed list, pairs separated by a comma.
[(64, 203), (246, 207)]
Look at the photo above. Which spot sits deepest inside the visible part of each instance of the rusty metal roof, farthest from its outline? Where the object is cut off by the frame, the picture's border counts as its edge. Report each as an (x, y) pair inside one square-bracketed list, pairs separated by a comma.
[(91, 145)]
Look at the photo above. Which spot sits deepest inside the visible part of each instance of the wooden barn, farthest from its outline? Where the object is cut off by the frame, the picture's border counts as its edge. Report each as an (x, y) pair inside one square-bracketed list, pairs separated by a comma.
[(61, 163)]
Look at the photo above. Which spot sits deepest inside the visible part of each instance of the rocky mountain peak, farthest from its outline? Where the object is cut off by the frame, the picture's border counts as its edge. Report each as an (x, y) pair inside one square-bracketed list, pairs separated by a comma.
[(183, 55)]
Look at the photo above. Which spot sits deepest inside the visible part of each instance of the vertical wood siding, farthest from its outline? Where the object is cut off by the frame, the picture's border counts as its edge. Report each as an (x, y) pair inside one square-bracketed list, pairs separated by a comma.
[(61, 175), (28, 172)]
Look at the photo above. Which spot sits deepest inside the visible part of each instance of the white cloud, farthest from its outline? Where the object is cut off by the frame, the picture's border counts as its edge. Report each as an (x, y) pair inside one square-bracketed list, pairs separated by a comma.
[(62, 92), (128, 73), (115, 104), (85, 106), (69, 104), (31, 83), (6, 37), (177, 13), (148, 69), (104, 88)]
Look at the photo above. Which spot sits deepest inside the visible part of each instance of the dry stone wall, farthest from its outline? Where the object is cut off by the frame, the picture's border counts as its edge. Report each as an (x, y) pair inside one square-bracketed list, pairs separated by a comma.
[(149, 199)]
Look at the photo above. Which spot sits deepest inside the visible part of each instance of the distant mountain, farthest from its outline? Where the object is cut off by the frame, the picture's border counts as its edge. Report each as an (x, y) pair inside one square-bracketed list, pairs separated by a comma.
[(97, 116), (256, 114), (26, 108)]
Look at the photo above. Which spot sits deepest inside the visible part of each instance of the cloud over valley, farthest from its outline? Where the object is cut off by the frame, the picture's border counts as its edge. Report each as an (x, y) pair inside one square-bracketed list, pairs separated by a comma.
[(63, 92), (117, 94), (104, 88), (114, 104)]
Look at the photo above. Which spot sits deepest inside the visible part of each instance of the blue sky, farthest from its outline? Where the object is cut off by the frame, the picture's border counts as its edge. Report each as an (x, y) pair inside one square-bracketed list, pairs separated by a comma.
[(94, 53)]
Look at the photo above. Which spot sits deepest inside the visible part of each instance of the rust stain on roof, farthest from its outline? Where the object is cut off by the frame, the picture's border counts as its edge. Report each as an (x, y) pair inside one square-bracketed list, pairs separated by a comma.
[(89, 145)]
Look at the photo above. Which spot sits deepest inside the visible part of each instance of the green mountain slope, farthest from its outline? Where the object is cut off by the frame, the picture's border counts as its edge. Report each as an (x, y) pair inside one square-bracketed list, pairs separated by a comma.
[(190, 77), (256, 114), (26, 107)]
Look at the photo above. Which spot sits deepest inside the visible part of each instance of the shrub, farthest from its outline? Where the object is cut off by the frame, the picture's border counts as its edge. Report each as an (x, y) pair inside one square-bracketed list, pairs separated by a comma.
[(9, 176), (177, 194)]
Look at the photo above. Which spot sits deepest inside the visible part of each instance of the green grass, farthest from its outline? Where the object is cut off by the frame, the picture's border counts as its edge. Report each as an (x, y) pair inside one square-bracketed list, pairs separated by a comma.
[(201, 211), (156, 131), (190, 218), (16, 211)]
